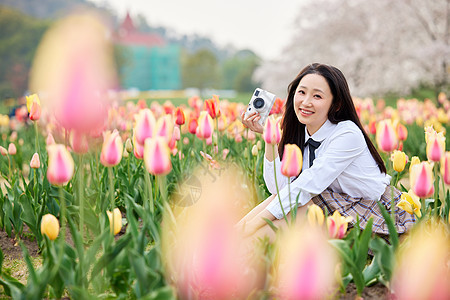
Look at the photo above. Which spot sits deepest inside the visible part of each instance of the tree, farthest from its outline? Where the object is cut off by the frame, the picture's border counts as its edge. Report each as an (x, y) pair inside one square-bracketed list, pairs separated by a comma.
[(381, 46), (237, 72), (200, 70)]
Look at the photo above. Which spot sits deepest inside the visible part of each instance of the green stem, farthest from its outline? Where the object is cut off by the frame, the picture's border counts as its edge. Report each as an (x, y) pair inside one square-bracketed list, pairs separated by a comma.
[(148, 201), (111, 195), (80, 195), (436, 188), (36, 137), (392, 205), (218, 135), (276, 184)]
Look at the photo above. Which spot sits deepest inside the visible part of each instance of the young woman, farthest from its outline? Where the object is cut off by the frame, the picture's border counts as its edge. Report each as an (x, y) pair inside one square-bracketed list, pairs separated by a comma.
[(341, 170)]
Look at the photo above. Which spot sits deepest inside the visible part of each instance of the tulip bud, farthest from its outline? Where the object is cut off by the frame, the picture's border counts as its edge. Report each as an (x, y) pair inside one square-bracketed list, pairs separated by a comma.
[(157, 156), (386, 136), (128, 145), (399, 160), (315, 215), (255, 150), (272, 134), (138, 149), (445, 167), (414, 161), (259, 145), (179, 116), (3, 151), (421, 179), (35, 112), (50, 140), (144, 126), (35, 162), (50, 226), (111, 154), (60, 164), (115, 221), (292, 161), (337, 225), (193, 126), (402, 132), (205, 126), (12, 150)]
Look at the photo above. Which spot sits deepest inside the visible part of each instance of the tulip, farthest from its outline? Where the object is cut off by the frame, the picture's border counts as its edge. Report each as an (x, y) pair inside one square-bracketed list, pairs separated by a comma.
[(421, 179), (179, 116), (373, 127), (272, 134), (212, 107), (193, 126), (60, 164), (386, 136), (414, 161), (402, 132), (50, 140), (50, 226), (337, 225), (445, 167), (35, 112), (304, 268), (144, 126), (291, 165), (34, 98), (164, 127), (13, 136), (12, 150), (112, 149), (315, 215), (205, 126), (176, 135), (128, 145), (117, 221), (410, 203), (35, 162), (435, 146), (79, 142), (255, 150), (157, 156), (138, 149), (3, 151), (225, 153), (399, 160)]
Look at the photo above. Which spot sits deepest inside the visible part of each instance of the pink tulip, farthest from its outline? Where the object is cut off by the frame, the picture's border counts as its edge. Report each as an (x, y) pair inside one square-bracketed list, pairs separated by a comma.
[(421, 179), (272, 134), (60, 164), (112, 149), (3, 151), (402, 132), (138, 149), (337, 225), (445, 167), (205, 126), (79, 142), (157, 156), (386, 136), (50, 140), (176, 133), (435, 146), (225, 153), (12, 150), (35, 163), (144, 126), (164, 127), (292, 162)]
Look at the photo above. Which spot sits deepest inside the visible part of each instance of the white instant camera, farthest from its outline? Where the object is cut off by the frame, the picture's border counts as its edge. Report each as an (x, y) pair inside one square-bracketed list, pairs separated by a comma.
[(261, 102)]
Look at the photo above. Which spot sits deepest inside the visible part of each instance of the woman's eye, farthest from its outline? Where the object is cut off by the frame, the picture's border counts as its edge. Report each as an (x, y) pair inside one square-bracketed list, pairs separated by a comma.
[(301, 92), (318, 96)]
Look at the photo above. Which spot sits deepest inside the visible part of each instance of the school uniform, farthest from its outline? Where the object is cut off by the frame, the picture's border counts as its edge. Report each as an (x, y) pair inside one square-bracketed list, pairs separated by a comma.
[(343, 176)]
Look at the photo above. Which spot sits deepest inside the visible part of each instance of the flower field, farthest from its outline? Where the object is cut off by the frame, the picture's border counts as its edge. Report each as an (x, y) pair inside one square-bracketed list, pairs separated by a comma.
[(171, 182), (141, 200)]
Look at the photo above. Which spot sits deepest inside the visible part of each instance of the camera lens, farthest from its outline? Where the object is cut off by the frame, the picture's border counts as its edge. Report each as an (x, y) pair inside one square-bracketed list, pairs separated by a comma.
[(258, 103)]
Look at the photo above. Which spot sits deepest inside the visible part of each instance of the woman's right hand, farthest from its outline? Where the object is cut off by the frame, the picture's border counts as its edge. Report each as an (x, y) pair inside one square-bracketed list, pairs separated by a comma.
[(252, 122)]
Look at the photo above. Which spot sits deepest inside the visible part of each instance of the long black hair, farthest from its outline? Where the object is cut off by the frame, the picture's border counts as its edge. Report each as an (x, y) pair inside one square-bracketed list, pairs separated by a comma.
[(341, 109)]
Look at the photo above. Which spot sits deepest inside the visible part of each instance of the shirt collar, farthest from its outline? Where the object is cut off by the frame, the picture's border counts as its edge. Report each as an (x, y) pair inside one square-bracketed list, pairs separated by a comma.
[(323, 132)]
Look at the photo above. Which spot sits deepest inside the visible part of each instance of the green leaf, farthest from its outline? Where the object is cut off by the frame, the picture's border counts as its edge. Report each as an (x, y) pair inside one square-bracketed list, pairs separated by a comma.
[(363, 245), (271, 225), (390, 224)]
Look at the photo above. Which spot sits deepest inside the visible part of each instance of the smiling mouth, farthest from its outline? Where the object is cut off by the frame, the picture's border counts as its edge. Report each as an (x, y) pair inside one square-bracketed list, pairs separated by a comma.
[(306, 112)]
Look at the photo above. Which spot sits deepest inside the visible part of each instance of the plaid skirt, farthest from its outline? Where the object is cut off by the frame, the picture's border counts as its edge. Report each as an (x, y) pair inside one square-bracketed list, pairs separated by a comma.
[(364, 209)]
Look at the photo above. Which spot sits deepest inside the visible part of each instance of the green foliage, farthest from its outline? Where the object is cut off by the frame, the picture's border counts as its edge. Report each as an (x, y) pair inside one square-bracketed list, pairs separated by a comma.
[(201, 70), (237, 72)]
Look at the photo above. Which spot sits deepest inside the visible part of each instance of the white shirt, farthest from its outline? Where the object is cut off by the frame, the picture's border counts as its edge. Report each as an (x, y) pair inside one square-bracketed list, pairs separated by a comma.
[(343, 164)]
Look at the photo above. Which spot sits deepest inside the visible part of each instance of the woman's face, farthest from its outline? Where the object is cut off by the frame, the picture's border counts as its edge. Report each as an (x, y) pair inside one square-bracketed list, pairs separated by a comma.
[(312, 101)]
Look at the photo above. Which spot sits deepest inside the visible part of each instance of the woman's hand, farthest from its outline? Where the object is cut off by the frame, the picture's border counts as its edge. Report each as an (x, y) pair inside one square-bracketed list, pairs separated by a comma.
[(252, 122)]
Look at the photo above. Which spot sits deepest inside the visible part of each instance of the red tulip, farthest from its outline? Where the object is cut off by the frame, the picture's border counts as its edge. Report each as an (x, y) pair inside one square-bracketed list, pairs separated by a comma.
[(193, 125), (179, 116)]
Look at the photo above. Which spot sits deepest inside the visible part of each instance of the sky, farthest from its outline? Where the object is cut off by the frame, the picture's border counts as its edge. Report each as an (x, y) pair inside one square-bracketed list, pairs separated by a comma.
[(264, 26)]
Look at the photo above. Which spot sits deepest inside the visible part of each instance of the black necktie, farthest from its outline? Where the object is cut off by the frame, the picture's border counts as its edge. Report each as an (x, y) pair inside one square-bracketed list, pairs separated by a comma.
[(313, 145)]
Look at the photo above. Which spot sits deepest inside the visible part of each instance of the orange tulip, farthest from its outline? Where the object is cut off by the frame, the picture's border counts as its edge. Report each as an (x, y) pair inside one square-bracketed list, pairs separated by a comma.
[(34, 107), (421, 179), (205, 126), (179, 116), (212, 106), (112, 149), (386, 136), (35, 162), (445, 167), (291, 165), (157, 156), (272, 134), (60, 164), (144, 126)]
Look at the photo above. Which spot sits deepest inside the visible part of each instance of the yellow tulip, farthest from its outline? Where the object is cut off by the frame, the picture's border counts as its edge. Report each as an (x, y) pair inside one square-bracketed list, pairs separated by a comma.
[(399, 160), (410, 203), (315, 215), (117, 220), (414, 161), (292, 161), (50, 226)]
